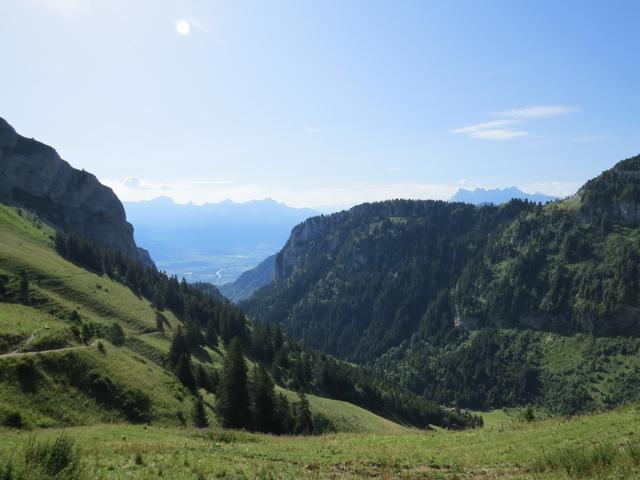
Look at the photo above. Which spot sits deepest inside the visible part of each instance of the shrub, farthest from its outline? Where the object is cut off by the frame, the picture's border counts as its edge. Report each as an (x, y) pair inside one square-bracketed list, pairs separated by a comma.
[(54, 459), (12, 420), (6, 469), (138, 459), (579, 462)]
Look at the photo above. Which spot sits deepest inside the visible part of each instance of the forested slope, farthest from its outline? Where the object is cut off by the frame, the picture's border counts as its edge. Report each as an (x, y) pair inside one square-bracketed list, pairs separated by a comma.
[(418, 288)]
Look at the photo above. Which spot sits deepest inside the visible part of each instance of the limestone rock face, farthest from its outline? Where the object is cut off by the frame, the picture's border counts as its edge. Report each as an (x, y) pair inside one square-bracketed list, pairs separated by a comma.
[(33, 176)]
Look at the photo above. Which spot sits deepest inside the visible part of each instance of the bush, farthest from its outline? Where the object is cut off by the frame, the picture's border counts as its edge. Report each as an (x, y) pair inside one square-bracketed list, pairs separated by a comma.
[(56, 459), (580, 462), (12, 420)]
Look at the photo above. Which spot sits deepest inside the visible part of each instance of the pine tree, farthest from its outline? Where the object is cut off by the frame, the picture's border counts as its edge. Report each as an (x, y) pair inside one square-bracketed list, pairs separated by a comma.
[(211, 334), (284, 422), (179, 348), (160, 323), (24, 288), (303, 417), (262, 400), (232, 405), (200, 419), (194, 335), (202, 379), (3, 291), (116, 334), (184, 372)]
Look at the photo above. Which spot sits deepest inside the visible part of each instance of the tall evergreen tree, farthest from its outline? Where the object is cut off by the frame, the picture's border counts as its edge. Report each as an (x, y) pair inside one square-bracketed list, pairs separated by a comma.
[(303, 417), (262, 400), (116, 334), (200, 419), (284, 421), (24, 288), (184, 372), (232, 406), (211, 334), (179, 347), (202, 379)]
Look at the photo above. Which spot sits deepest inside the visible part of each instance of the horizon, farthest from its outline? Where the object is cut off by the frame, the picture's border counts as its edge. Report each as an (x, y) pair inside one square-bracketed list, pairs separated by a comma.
[(325, 106)]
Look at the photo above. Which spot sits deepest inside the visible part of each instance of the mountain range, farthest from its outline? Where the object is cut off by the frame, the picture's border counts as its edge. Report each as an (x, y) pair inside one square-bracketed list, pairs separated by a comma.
[(214, 242), (496, 196)]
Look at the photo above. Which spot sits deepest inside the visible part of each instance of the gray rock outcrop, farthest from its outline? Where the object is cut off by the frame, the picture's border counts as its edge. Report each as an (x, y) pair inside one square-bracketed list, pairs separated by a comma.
[(33, 176)]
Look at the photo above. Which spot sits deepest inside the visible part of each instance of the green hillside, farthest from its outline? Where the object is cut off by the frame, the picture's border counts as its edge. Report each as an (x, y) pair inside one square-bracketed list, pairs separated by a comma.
[(480, 306), (58, 366)]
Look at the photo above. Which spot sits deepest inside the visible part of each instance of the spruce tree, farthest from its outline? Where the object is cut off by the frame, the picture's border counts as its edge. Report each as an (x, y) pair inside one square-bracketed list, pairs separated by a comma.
[(184, 372), (262, 400), (284, 422), (200, 419), (193, 335), (24, 288), (202, 379), (303, 417), (179, 348), (232, 406), (116, 334), (211, 334)]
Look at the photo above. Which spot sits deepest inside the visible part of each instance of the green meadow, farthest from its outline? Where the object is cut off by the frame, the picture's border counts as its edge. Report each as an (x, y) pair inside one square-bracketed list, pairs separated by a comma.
[(597, 446)]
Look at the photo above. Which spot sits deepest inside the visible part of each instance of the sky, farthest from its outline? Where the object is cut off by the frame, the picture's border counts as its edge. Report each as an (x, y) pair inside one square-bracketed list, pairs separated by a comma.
[(325, 103)]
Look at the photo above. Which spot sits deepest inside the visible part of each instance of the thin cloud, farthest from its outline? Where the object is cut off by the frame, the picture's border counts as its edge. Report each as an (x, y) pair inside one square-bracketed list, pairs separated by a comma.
[(496, 129), (540, 111), (498, 134), (491, 130), (483, 126), (556, 188)]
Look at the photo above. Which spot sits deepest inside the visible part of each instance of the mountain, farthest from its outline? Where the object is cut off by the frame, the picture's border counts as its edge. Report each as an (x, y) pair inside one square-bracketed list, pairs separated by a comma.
[(481, 305), (34, 176), (214, 242), (496, 196), (250, 281)]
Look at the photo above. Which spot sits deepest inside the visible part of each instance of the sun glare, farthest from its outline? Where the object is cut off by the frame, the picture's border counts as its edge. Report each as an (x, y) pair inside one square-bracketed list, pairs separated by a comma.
[(183, 27)]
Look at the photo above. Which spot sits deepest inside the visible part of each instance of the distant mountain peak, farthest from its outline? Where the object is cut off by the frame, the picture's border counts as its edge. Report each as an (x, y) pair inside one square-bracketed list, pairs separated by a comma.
[(480, 196)]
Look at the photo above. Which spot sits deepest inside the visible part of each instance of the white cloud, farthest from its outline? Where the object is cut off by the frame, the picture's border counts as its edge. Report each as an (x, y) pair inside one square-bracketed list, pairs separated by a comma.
[(498, 134), (491, 130), (495, 130), (483, 126), (555, 188), (540, 111)]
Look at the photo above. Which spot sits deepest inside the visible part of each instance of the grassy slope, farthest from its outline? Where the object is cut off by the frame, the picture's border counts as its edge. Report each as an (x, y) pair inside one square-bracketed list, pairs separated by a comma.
[(57, 288), (505, 449)]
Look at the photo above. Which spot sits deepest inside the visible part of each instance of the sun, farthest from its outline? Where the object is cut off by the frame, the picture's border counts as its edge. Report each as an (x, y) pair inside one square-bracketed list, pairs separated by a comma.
[(183, 27)]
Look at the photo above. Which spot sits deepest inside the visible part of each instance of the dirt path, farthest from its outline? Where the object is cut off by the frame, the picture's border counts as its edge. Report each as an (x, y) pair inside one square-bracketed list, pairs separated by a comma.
[(64, 349)]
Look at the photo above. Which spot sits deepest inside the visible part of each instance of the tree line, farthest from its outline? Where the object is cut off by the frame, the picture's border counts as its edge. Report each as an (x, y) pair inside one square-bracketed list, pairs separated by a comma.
[(280, 360)]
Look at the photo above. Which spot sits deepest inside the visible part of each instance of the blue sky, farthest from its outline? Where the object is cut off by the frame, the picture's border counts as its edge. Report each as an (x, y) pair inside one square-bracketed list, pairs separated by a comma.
[(325, 102)]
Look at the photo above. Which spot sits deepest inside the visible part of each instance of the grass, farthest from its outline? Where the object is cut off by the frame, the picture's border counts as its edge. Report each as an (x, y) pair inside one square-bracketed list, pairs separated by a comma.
[(596, 446)]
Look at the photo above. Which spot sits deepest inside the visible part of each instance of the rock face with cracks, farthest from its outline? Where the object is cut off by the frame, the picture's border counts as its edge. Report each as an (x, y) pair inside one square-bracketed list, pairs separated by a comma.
[(33, 176)]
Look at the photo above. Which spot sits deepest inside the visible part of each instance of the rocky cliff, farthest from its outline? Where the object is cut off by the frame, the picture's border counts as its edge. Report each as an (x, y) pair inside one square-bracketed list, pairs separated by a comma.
[(33, 176)]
